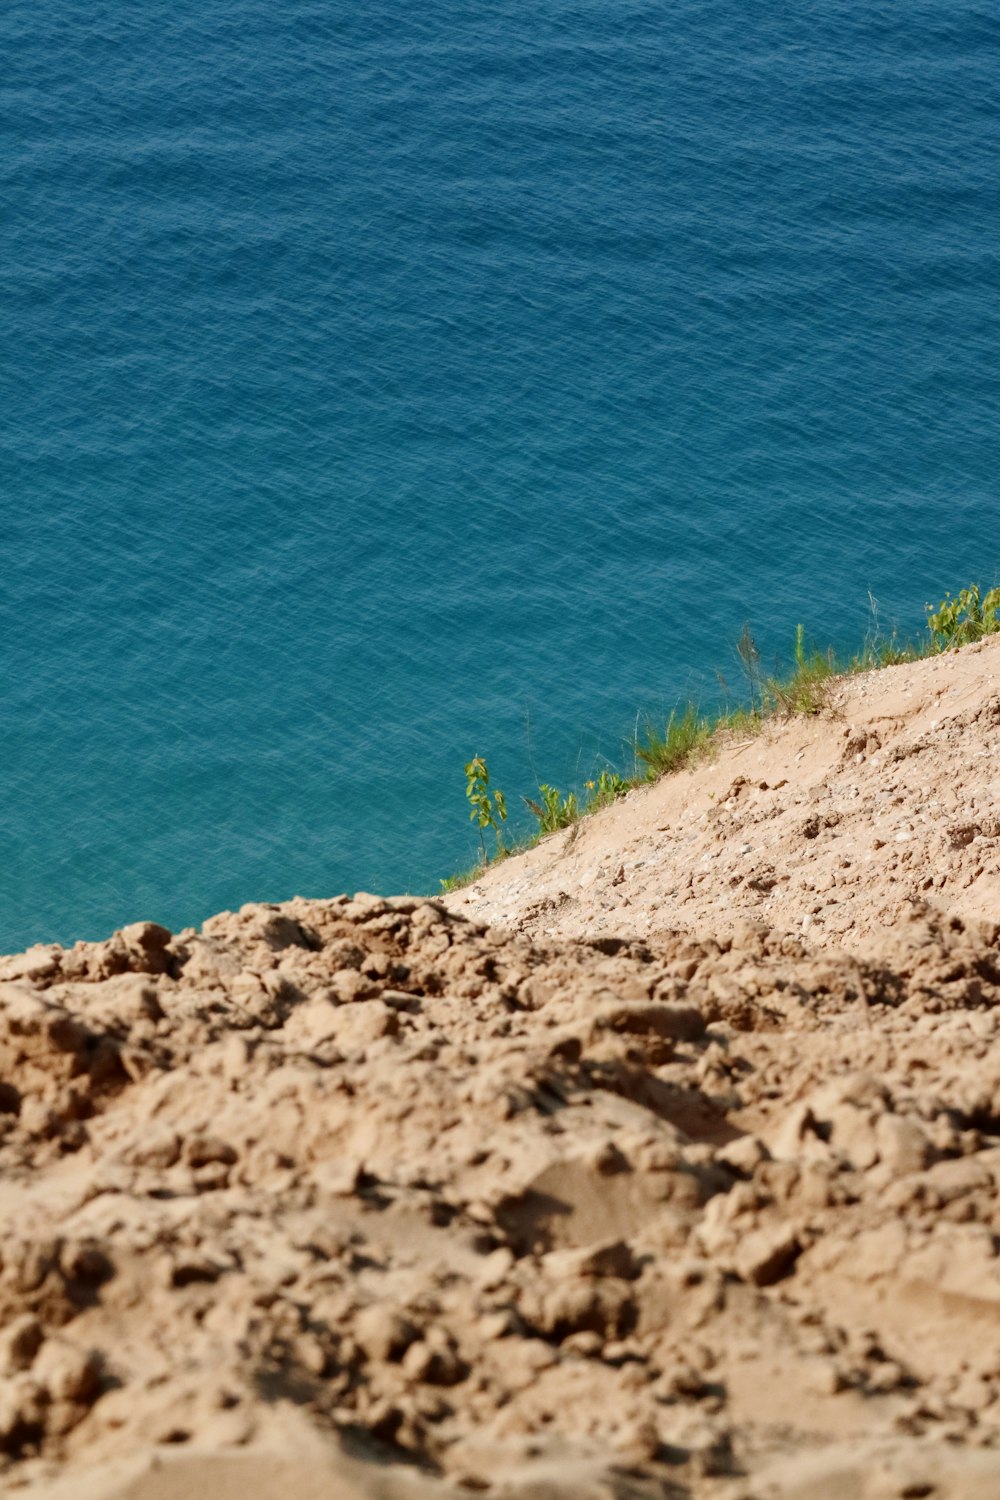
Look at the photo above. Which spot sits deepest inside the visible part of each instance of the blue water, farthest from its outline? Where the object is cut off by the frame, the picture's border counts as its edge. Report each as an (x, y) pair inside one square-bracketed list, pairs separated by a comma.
[(386, 383)]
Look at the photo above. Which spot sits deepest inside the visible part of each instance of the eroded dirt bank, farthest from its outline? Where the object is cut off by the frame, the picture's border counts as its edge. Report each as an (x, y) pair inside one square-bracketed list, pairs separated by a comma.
[(692, 1218), (363, 1199)]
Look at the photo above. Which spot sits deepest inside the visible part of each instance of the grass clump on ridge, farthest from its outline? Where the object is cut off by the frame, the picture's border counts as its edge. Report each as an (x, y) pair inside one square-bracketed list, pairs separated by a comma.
[(958, 622), (686, 735), (689, 735), (807, 689), (554, 811), (608, 787), (462, 878)]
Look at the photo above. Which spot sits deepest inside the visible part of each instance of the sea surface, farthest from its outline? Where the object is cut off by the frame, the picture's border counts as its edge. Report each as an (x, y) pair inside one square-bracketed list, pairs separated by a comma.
[(385, 384)]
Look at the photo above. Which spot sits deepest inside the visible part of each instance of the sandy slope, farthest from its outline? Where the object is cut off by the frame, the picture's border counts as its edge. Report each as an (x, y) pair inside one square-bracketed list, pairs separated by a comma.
[(363, 1199), (826, 826)]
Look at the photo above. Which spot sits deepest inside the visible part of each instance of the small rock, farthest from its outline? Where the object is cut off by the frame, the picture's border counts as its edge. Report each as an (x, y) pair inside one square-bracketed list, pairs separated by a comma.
[(149, 936), (620, 1352), (434, 1363), (202, 1150), (902, 1144), (613, 1258), (339, 1176), (743, 1154), (605, 1157), (348, 985), (86, 1261), (637, 1441), (312, 1024), (587, 1343), (309, 1353), (22, 1412), (211, 1177), (885, 1376), (358, 1025), (669, 1022), (683, 1382), (38, 963), (20, 1341), (768, 1255), (383, 1333), (495, 1268), (67, 1372), (798, 1135), (863, 1090), (496, 1325), (852, 1133), (824, 1378), (191, 1266), (234, 1057)]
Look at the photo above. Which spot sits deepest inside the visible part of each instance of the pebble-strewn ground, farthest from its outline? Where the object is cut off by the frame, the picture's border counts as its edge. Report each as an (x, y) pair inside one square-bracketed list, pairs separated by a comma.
[(361, 1200)]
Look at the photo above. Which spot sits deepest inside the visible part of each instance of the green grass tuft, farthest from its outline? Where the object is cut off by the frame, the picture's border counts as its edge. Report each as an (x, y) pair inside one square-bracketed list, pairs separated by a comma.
[(686, 735), (608, 787), (958, 622), (461, 878), (807, 689), (554, 811)]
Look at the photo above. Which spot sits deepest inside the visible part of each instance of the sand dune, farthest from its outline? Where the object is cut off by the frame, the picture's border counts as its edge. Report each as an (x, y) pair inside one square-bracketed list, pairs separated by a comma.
[(679, 1180)]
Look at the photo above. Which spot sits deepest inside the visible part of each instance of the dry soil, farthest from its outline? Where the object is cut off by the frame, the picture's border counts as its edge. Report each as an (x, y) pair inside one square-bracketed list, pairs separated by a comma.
[(678, 1180)]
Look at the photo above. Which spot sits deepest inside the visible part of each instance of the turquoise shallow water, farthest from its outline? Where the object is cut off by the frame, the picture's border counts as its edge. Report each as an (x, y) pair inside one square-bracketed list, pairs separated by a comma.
[(386, 384)]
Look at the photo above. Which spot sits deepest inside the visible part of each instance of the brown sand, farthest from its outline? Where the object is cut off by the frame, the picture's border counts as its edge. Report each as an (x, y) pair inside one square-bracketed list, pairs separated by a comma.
[(626, 1197), (826, 826)]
